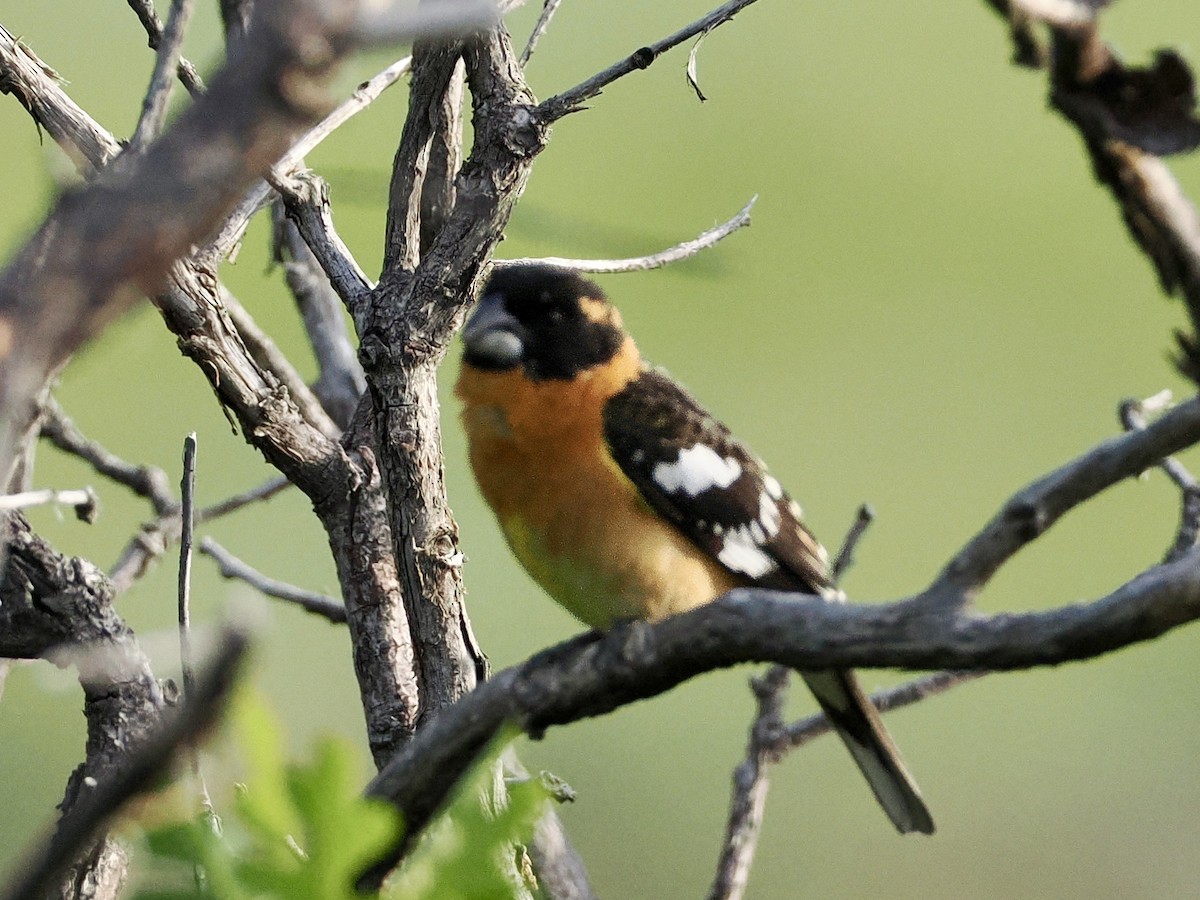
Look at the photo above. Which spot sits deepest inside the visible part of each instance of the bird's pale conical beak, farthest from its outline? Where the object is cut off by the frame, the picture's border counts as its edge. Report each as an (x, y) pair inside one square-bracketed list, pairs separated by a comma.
[(494, 339)]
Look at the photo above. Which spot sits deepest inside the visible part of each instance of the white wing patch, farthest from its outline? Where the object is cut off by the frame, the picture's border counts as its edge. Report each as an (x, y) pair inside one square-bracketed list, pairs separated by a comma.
[(742, 545), (774, 488), (741, 551), (768, 514), (697, 469)]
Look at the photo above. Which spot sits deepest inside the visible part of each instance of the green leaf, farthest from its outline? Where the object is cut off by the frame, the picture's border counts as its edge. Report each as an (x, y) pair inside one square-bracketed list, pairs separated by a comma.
[(473, 851), (265, 804), (343, 832)]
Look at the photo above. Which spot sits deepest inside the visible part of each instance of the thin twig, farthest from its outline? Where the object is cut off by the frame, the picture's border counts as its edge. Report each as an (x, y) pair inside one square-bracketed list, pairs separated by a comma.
[(642, 263), (1133, 417), (1133, 413), (340, 380), (188, 76), (188, 518), (187, 530), (845, 556), (84, 500), (571, 100), (153, 540), (145, 481), (264, 491), (1034, 509), (801, 732), (549, 8), (170, 52), (259, 195), (232, 567), (750, 786)]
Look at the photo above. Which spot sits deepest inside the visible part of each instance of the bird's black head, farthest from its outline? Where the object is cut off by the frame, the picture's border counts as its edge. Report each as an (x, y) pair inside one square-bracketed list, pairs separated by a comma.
[(548, 319)]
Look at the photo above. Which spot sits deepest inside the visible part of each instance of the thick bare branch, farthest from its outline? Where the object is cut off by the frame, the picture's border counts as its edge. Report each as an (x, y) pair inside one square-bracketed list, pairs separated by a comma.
[(36, 87), (110, 242), (144, 764), (405, 330), (595, 674)]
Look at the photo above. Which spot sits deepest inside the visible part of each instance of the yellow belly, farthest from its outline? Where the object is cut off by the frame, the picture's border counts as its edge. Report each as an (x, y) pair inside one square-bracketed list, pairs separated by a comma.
[(621, 563), (571, 517)]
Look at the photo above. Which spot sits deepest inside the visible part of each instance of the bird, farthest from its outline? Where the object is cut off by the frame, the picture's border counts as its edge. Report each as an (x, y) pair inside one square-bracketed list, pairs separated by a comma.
[(624, 498)]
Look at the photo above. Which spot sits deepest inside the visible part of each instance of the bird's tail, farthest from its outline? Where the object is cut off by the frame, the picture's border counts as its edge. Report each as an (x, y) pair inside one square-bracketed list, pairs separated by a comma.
[(857, 721)]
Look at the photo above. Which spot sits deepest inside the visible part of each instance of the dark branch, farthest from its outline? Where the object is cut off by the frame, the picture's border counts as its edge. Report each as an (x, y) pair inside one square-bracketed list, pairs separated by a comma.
[(1127, 117), (598, 673), (1029, 513), (168, 63), (145, 481), (232, 567), (142, 770), (188, 76), (595, 674), (571, 100), (109, 243), (340, 383), (750, 787)]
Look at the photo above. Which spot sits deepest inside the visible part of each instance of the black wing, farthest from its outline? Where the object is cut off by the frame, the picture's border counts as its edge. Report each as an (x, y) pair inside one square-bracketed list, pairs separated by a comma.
[(697, 475), (693, 472)]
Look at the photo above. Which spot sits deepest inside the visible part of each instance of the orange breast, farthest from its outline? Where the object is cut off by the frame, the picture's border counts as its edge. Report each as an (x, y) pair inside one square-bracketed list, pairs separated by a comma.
[(572, 518)]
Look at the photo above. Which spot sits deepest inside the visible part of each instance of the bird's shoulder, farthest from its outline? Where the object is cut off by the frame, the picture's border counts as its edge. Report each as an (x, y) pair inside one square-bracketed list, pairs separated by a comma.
[(693, 472)]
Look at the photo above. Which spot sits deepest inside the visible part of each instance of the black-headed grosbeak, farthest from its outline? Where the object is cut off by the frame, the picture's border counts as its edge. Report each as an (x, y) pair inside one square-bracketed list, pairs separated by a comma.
[(623, 498)]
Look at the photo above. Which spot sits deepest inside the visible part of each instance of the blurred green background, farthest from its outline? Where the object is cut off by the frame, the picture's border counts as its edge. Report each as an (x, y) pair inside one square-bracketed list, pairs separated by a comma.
[(935, 305)]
